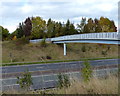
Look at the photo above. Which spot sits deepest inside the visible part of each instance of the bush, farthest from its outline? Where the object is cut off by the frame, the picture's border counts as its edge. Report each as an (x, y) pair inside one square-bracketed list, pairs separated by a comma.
[(104, 53), (63, 81), (22, 41), (25, 81), (43, 43), (83, 48), (48, 57), (86, 71)]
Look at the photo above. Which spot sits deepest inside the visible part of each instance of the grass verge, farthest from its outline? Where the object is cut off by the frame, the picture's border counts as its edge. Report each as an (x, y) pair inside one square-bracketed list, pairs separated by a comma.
[(56, 61)]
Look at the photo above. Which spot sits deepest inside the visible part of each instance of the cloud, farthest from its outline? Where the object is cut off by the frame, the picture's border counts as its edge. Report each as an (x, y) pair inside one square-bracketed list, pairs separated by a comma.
[(15, 11)]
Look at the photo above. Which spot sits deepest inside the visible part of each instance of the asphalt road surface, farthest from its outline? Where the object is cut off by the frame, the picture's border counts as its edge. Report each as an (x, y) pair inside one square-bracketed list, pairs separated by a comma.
[(60, 65), (48, 80)]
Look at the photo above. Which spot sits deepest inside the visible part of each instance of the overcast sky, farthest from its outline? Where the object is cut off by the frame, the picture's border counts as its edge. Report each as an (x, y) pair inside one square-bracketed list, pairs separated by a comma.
[(12, 12)]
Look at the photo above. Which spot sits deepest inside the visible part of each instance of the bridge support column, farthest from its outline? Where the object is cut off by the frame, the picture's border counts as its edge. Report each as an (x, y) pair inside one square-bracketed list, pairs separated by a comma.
[(65, 53)]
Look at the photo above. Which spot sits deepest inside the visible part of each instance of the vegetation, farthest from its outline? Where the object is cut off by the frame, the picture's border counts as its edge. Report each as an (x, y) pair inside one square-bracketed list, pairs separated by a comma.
[(5, 33), (63, 81), (22, 52), (29, 52), (94, 86), (25, 81), (86, 71), (37, 27)]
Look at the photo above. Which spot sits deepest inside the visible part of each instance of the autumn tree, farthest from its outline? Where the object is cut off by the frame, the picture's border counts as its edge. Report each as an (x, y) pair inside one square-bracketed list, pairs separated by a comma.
[(38, 28), (97, 25), (27, 27), (107, 25), (90, 25), (93, 26)]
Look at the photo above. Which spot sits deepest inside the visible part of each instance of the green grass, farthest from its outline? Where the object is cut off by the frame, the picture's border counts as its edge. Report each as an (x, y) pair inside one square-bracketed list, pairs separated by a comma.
[(44, 62)]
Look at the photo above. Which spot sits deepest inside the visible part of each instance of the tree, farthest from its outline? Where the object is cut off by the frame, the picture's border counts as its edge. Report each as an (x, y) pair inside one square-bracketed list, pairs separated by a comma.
[(101, 25), (97, 26), (72, 29), (67, 27), (107, 25), (38, 28), (51, 27), (81, 26), (91, 26), (5, 33), (20, 30), (58, 27), (27, 27)]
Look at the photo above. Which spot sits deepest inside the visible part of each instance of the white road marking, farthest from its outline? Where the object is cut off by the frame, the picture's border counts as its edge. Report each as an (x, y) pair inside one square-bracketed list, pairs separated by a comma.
[(39, 67)]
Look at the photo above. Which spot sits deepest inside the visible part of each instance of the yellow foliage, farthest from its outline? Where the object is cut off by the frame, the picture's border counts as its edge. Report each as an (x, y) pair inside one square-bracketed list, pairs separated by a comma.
[(14, 38)]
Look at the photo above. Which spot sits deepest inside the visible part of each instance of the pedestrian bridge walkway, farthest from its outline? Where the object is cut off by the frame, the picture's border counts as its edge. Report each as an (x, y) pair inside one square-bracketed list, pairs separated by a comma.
[(107, 38), (104, 38)]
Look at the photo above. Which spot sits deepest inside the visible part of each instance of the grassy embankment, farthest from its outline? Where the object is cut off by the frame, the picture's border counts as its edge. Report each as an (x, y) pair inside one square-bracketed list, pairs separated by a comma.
[(15, 52)]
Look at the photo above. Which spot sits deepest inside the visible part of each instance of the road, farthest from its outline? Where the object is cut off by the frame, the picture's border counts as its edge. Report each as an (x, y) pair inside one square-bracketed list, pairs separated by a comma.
[(60, 65), (50, 70)]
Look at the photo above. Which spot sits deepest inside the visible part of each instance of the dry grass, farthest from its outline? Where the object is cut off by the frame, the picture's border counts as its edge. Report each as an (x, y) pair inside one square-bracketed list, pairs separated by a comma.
[(95, 86), (34, 52)]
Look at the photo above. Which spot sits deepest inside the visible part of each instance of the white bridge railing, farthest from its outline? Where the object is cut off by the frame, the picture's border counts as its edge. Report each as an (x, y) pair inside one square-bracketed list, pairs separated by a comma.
[(106, 36)]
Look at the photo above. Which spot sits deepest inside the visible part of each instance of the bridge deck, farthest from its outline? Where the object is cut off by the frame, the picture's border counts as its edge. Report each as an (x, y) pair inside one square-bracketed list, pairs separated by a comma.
[(89, 36)]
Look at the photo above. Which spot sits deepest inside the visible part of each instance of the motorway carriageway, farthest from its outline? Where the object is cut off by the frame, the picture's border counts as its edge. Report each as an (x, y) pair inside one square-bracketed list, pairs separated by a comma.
[(49, 78)]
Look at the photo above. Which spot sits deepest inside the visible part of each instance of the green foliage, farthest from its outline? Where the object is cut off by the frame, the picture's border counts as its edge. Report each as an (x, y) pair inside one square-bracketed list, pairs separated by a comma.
[(24, 29), (81, 26), (38, 28), (86, 71), (93, 26), (20, 31), (25, 81), (63, 80), (5, 33)]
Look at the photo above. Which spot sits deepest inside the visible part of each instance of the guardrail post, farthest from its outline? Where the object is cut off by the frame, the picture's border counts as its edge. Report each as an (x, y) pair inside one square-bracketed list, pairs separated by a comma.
[(65, 49)]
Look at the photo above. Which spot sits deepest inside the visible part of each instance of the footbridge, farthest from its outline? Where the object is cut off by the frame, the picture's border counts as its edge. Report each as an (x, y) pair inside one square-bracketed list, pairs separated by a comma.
[(104, 38)]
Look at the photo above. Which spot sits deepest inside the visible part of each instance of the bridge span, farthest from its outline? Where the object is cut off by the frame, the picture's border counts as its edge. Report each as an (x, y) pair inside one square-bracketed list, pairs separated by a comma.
[(104, 38)]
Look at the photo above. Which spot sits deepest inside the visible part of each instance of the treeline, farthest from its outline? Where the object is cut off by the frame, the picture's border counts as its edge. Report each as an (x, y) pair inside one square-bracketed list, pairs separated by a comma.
[(37, 28)]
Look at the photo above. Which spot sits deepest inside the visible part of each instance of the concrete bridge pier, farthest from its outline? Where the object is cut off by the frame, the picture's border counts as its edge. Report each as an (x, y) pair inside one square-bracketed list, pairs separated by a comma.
[(65, 53)]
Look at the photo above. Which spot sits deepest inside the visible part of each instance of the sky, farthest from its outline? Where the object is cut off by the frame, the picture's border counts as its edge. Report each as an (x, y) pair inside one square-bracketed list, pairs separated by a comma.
[(12, 12)]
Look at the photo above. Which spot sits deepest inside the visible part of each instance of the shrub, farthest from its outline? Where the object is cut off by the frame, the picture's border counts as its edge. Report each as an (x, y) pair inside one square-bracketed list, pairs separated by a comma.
[(104, 53), (83, 49), (43, 43), (86, 71), (22, 41), (25, 81), (48, 57), (63, 81)]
